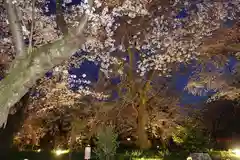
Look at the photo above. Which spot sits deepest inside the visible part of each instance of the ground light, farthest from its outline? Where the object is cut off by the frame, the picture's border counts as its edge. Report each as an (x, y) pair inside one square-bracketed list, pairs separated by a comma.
[(147, 159), (38, 150), (59, 152), (236, 152), (189, 158)]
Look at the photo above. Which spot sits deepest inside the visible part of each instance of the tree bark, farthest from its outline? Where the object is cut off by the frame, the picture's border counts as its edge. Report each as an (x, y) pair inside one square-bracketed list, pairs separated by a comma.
[(14, 121), (143, 141), (142, 118)]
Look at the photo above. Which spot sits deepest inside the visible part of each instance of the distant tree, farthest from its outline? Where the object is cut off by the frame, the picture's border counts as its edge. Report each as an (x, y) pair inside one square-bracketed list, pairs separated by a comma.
[(219, 114)]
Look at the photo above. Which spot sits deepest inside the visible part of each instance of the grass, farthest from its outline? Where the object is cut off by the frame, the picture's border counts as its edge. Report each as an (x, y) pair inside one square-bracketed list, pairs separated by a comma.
[(224, 155), (132, 155), (215, 155), (160, 155)]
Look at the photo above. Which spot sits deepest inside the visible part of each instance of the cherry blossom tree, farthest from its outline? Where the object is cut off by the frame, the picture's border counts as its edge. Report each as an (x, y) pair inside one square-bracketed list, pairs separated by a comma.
[(160, 115)]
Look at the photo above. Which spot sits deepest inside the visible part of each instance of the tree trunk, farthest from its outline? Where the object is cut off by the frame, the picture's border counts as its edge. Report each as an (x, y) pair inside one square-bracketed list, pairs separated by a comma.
[(143, 141), (14, 124)]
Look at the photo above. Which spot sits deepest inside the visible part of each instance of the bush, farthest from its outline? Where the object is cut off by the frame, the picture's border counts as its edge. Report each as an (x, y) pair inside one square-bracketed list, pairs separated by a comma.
[(191, 139), (106, 144)]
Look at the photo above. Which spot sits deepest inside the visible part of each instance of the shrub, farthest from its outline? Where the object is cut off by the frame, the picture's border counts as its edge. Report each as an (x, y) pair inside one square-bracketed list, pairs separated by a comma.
[(106, 144), (191, 139)]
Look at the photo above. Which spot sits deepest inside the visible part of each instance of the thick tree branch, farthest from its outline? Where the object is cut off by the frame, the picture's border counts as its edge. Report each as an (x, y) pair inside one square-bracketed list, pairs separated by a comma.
[(218, 48), (29, 69), (234, 47), (15, 27), (61, 23)]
